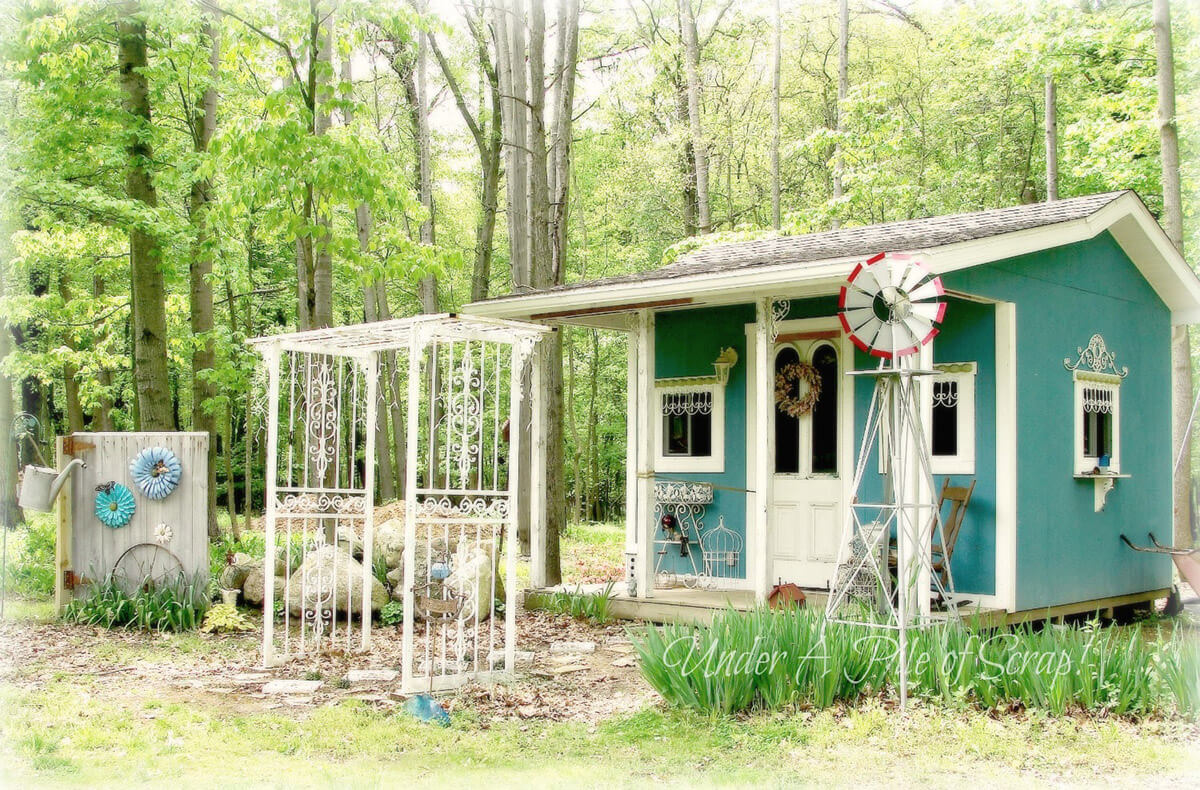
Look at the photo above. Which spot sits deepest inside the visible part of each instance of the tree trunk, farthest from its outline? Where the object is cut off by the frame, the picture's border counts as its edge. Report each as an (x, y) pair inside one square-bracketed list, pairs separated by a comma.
[(203, 123), (322, 254), (842, 89), (102, 414), (147, 286), (1051, 140), (564, 107), (775, 92), (10, 514), (1181, 359), (70, 371), (428, 287), (691, 61)]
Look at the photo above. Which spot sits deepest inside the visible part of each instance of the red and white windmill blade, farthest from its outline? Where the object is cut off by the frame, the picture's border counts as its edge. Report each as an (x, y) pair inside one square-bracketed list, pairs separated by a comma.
[(890, 305)]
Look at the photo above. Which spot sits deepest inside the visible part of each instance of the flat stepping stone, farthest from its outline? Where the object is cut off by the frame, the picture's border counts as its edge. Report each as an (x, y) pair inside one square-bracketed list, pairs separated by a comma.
[(573, 647), (524, 658), (372, 675), (568, 669), (292, 686), (625, 661)]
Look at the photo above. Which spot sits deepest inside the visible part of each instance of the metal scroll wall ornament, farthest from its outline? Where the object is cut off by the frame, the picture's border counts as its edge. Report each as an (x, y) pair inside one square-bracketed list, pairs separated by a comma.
[(156, 472), (1096, 358), (115, 505), (890, 308)]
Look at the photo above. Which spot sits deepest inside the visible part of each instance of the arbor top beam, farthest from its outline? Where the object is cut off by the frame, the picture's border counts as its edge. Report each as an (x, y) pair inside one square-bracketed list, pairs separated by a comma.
[(357, 339)]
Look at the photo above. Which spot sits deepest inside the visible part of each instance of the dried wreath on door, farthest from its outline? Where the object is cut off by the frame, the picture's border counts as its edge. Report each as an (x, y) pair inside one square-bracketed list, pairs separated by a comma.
[(797, 388)]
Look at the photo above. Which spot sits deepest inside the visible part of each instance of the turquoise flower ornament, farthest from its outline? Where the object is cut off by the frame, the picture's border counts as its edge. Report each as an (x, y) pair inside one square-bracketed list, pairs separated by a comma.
[(114, 504), (156, 470)]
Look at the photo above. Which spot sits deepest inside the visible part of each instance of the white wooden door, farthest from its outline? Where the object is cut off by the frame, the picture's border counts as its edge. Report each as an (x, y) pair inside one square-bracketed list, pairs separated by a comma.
[(809, 467)]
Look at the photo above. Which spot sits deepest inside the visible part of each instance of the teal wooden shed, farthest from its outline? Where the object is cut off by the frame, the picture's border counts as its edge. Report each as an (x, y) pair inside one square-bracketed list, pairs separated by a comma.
[(1052, 394)]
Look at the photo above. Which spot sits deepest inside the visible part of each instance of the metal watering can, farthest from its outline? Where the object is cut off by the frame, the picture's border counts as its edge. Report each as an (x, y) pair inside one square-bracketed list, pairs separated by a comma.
[(40, 485)]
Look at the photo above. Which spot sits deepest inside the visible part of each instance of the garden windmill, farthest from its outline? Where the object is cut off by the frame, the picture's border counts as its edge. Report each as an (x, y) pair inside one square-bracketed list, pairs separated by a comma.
[(890, 306)]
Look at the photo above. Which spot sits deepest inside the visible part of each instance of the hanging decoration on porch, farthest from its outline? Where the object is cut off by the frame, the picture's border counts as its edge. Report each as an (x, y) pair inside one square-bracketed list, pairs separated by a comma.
[(797, 388), (156, 471), (890, 308), (114, 504)]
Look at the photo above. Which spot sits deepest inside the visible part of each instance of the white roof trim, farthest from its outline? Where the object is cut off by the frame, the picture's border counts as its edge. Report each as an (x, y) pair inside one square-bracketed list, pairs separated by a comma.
[(1130, 223), (362, 340)]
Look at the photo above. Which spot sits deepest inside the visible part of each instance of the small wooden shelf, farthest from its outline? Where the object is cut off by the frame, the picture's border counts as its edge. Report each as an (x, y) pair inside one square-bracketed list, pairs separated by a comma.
[(1104, 482)]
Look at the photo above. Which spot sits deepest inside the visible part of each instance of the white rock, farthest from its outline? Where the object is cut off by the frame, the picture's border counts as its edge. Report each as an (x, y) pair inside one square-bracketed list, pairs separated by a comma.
[(524, 658), (309, 586), (573, 647), (372, 675), (471, 576), (291, 686), (389, 542)]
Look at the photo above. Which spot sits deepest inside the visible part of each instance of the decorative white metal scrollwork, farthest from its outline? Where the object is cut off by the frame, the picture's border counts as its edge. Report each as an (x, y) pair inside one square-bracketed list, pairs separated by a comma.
[(945, 394), (463, 401), (1098, 400), (314, 504), (463, 508), (687, 402), (321, 415), (1096, 358)]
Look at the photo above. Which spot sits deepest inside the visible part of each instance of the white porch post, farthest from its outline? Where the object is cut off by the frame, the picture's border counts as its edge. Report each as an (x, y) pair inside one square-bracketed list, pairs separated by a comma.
[(763, 440), (1006, 455), (537, 474), (271, 359), (922, 489), (416, 349), (371, 370), (632, 508), (516, 414), (645, 454)]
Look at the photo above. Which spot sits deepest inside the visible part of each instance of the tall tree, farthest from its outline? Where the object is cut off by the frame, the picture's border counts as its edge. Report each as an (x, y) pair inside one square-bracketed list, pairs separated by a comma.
[(1172, 191), (691, 61), (776, 67), (147, 284), (1051, 139), (843, 88), (202, 122)]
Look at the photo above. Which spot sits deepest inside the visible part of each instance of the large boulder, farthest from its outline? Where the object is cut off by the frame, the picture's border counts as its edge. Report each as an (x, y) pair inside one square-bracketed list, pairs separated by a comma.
[(233, 575), (471, 575), (254, 585), (331, 578), (349, 542), (389, 542)]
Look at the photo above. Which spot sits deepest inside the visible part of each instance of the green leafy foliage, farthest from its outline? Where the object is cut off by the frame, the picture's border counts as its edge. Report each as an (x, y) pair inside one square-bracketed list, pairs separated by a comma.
[(31, 560), (767, 659), (392, 613), (225, 618), (593, 606), (176, 606)]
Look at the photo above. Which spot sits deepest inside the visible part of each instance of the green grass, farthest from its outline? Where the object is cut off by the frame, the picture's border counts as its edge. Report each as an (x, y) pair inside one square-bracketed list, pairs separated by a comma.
[(593, 607), (71, 736), (768, 659)]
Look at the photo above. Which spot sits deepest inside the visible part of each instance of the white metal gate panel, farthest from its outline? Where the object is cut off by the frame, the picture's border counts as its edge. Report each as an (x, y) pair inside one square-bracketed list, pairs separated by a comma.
[(318, 502), (461, 514)]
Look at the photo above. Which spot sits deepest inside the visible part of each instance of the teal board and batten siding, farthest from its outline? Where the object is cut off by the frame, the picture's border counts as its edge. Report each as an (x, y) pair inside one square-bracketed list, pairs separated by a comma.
[(1066, 552), (685, 344)]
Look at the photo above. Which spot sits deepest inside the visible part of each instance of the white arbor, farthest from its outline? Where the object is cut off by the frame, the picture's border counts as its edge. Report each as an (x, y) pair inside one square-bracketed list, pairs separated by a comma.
[(462, 405)]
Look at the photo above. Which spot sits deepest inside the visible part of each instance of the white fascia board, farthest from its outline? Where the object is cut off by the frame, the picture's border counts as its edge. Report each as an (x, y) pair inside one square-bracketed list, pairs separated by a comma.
[(1131, 224)]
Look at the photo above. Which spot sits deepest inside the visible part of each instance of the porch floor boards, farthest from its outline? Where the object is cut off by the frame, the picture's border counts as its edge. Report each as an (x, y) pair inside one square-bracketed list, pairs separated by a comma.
[(698, 606)]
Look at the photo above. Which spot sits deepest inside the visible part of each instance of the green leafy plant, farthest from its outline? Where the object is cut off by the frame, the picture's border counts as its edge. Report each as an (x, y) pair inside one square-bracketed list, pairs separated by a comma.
[(225, 618), (584, 606), (769, 659), (392, 613), (178, 606), (31, 565)]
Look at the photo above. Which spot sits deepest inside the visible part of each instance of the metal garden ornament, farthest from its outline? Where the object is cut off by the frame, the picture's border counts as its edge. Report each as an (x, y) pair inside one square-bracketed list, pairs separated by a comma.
[(891, 308), (115, 505), (156, 471)]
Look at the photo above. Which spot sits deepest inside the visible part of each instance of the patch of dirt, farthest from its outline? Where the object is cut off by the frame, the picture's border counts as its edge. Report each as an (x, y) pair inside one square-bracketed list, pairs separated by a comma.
[(225, 671)]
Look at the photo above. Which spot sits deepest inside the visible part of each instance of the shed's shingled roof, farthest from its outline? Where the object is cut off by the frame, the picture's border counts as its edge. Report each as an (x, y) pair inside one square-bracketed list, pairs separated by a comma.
[(913, 234)]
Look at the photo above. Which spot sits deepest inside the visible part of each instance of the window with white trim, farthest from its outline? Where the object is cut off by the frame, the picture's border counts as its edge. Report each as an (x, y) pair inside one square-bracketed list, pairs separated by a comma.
[(1097, 422), (690, 426), (952, 419)]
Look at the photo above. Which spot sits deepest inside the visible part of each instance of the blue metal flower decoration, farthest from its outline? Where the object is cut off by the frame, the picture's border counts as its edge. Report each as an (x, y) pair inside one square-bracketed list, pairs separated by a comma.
[(114, 504), (156, 470)]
